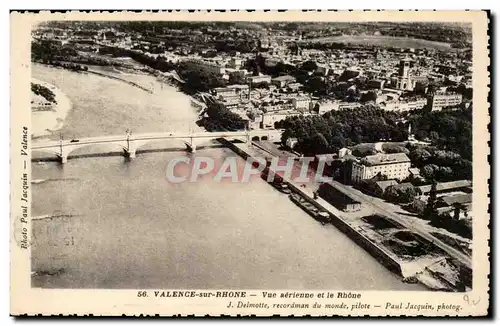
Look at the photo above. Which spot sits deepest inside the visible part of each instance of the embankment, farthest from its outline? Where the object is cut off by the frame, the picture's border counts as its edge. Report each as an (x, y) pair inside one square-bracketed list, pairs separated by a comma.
[(376, 251)]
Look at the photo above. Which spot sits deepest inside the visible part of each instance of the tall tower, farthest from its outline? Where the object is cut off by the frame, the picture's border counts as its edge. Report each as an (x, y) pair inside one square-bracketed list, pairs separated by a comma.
[(404, 68), (405, 81)]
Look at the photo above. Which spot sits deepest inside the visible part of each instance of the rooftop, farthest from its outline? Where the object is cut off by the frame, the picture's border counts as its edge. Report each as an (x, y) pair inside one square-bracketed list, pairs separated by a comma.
[(384, 184), (414, 171), (447, 185), (457, 199), (379, 159), (285, 78)]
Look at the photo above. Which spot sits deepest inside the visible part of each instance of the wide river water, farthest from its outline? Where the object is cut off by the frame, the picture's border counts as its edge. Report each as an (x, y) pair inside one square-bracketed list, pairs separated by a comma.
[(121, 224)]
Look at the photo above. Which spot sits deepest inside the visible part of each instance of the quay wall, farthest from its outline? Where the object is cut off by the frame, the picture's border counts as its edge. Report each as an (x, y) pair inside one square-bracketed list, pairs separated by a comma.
[(376, 251)]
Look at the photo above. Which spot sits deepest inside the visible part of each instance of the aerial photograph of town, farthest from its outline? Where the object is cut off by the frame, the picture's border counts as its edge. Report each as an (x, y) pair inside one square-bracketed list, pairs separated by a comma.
[(251, 155)]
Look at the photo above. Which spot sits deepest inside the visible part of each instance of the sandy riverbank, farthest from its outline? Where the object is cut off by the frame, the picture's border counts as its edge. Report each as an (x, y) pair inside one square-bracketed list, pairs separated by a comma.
[(140, 80), (45, 123)]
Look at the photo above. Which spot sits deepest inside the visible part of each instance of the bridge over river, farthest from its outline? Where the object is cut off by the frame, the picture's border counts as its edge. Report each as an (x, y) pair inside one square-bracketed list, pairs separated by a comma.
[(130, 143)]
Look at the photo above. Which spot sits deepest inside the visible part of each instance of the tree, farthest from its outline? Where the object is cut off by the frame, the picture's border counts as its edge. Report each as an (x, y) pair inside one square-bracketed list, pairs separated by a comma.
[(251, 115), (430, 211), (457, 208), (434, 136), (429, 171), (402, 193), (319, 144), (316, 108), (344, 128), (419, 156), (369, 96), (309, 66)]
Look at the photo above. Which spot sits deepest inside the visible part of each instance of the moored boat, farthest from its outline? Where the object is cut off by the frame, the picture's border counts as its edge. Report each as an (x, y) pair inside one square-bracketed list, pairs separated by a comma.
[(319, 215)]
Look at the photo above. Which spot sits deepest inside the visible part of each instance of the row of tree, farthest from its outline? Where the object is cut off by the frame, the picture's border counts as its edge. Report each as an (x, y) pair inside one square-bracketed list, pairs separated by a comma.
[(157, 63), (448, 130), (219, 118), (70, 66), (337, 129), (48, 51), (196, 79), (44, 92)]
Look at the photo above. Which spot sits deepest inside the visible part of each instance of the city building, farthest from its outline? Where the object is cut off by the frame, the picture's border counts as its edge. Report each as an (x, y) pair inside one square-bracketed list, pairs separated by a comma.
[(338, 198), (402, 106), (444, 187), (440, 100), (326, 106), (348, 105), (235, 63), (268, 119), (282, 81), (417, 104), (404, 81), (207, 65), (377, 83), (302, 102), (394, 166), (458, 206), (259, 79), (221, 92), (323, 69), (445, 203), (294, 86)]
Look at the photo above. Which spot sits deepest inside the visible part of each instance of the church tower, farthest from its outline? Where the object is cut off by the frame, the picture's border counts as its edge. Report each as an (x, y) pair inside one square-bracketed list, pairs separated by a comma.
[(405, 81)]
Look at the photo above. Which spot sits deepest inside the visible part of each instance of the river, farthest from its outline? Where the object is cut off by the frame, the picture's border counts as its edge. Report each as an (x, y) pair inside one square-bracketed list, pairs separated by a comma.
[(121, 224)]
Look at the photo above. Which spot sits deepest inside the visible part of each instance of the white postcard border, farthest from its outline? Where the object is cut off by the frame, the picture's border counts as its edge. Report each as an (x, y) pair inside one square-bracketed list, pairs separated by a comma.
[(31, 301)]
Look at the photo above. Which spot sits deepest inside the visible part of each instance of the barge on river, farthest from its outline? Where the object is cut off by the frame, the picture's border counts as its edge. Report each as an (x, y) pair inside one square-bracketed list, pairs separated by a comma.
[(317, 214)]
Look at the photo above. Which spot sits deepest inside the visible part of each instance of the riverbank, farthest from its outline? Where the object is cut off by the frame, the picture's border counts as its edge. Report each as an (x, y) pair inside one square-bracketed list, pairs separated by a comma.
[(45, 123), (107, 106), (107, 75), (400, 250), (165, 79)]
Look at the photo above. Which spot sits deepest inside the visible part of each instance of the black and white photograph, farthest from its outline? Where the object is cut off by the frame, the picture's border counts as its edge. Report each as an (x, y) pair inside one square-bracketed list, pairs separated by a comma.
[(234, 156)]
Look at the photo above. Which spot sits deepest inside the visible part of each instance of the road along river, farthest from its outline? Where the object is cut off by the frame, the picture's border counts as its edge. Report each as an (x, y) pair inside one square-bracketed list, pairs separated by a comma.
[(105, 222)]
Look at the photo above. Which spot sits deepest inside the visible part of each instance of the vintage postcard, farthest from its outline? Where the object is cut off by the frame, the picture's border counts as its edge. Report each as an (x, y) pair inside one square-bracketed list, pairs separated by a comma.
[(250, 163)]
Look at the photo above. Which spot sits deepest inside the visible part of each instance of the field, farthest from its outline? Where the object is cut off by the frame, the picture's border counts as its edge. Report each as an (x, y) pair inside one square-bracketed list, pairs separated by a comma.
[(380, 40)]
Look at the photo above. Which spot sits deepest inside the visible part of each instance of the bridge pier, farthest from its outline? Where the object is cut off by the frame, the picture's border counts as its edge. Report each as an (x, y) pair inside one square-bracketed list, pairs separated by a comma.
[(131, 148), (129, 153), (190, 145), (63, 154)]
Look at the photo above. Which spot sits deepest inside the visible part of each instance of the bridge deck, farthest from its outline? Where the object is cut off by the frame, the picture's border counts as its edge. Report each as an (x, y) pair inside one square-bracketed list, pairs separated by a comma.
[(152, 136)]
